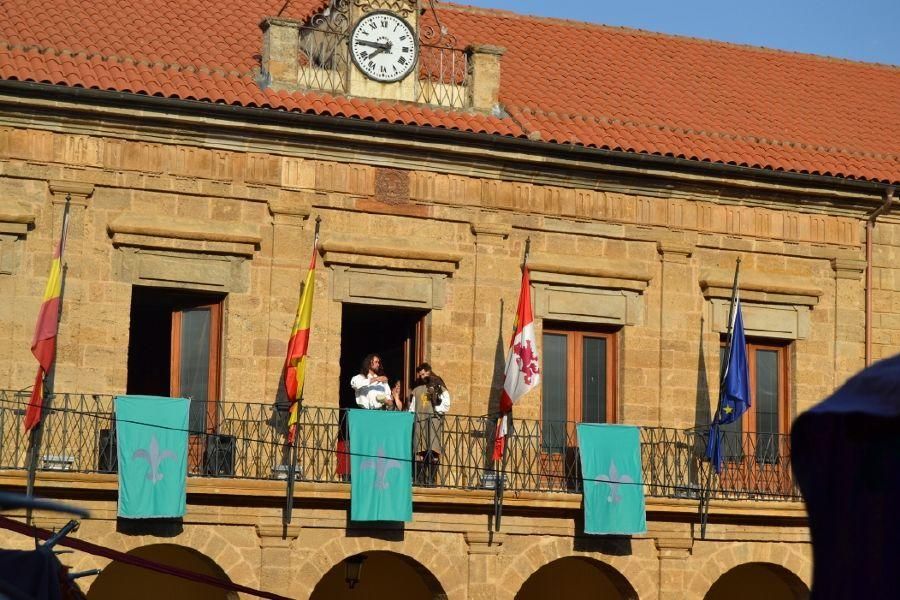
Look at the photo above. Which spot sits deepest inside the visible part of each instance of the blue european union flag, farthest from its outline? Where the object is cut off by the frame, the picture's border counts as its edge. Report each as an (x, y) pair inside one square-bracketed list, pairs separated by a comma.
[(734, 397)]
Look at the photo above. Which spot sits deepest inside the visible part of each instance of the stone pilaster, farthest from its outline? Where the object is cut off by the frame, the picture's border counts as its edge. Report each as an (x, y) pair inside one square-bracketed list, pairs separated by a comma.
[(677, 354), (77, 271), (277, 556), (849, 317), (484, 552), (491, 264), (674, 553), (291, 247)]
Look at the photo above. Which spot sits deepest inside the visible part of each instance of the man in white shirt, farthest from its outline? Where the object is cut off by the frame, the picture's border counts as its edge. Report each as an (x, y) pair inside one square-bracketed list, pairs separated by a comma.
[(371, 386)]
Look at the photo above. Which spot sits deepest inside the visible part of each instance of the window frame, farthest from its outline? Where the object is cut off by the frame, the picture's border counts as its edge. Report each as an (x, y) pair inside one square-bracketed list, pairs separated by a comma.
[(574, 372), (749, 434)]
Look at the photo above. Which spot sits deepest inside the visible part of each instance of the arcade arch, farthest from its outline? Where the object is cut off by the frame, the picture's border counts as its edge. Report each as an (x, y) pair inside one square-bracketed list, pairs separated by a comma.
[(751, 581), (142, 584), (577, 578), (383, 574)]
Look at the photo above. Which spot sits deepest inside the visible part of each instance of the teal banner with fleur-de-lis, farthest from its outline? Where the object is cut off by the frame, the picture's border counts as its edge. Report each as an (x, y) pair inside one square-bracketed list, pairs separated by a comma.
[(380, 465), (612, 480), (152, 443)]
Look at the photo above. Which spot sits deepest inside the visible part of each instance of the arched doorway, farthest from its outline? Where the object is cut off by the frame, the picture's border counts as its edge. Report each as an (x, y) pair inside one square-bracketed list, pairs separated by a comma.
[(752, 581), (577, 578), (119, 580), (382, 575)]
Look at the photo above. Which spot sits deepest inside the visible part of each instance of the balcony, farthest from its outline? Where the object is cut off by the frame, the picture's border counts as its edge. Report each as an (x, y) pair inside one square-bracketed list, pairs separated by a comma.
[(246, 441)]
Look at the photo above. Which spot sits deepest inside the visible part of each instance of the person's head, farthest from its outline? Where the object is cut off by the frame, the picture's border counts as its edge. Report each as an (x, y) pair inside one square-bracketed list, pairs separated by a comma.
[(371, 364), (423, 371)]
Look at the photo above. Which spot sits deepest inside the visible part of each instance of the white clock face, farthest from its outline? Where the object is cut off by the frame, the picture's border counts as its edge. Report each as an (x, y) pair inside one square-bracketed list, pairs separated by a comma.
[(384, 46)]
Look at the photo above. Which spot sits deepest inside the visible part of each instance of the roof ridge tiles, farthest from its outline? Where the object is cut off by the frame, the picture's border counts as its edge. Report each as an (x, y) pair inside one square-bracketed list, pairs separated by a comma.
[(711, 133)]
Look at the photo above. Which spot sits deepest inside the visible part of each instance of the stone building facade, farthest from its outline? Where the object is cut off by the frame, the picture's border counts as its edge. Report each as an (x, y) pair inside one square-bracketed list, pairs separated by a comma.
[(422, 230)]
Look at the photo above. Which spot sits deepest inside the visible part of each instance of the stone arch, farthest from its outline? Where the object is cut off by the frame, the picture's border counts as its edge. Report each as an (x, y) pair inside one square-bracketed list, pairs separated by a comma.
[(384, 574), (641, 577), (587, 577), (744, 582), (726, 557), (118, 580), (424, 554)]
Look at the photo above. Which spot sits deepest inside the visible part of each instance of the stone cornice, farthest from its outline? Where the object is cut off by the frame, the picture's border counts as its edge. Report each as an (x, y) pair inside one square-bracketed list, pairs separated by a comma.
[(15, 218), (329, 247), (627, 275), (184, 234), (784, 289), (342, 140), (185, 229)]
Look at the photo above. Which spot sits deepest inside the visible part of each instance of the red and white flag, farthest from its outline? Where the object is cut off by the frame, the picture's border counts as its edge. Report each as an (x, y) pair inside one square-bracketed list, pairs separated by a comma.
[(523, 372)]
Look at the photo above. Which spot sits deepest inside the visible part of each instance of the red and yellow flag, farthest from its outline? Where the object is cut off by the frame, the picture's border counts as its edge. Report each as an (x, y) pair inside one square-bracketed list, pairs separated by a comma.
[(43, 344), (295, 363)]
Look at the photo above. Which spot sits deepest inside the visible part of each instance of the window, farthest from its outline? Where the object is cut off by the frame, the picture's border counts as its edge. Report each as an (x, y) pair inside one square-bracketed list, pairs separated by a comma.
[(757, 443), (578, 381)]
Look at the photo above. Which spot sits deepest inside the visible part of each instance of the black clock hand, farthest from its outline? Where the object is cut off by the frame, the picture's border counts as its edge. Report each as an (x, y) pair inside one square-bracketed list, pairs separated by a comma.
[(379, 45)]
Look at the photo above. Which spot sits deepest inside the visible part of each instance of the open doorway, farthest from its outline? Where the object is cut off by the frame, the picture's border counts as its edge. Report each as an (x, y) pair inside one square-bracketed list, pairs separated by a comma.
[(174, 349), (395, 334)]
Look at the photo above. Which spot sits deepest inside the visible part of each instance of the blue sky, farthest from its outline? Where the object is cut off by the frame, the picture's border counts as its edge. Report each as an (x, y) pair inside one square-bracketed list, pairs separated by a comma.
[(864, 30)]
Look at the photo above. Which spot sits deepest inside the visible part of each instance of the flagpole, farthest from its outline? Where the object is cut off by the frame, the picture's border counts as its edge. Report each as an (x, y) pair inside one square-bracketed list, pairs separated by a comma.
[(500, 480), (723, 370), (35, 435), (292, 468)]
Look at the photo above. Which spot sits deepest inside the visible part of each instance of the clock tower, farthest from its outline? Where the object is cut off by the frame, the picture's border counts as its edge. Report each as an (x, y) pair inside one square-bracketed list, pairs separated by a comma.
[(384, 49)]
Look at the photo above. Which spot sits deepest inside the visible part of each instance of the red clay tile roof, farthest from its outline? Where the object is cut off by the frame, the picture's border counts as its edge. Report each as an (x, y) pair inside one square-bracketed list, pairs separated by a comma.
[(573, 83)]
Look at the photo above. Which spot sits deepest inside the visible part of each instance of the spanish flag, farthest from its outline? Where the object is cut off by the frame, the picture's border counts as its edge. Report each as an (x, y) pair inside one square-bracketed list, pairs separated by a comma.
[(43, 344), (295, 363)]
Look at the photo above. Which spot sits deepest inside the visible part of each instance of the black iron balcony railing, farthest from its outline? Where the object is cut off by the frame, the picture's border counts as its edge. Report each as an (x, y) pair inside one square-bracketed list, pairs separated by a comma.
[(248, 441)]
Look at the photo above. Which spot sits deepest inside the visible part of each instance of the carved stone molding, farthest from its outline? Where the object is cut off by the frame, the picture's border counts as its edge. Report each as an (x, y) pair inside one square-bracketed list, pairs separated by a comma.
[(484, 542), (780, 289), (197, 235), (78, 191), (848, 268), (15, 222), (388, 287), (595, 290), (674, 251), (372, 252), (276, 535), (15, 219), (775, 307)]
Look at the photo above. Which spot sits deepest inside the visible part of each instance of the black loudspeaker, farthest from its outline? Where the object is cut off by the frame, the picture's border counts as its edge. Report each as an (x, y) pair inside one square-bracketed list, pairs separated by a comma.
[(107, 452), (220, 451)]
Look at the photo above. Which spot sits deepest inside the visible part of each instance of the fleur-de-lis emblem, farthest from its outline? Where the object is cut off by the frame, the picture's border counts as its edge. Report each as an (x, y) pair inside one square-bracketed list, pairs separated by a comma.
[(382, 466), (153, 457), (614, 479)]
